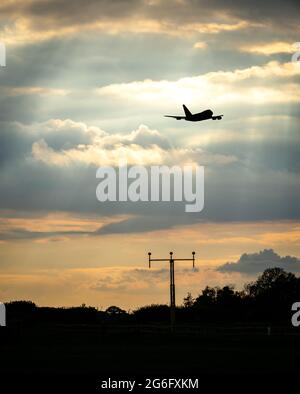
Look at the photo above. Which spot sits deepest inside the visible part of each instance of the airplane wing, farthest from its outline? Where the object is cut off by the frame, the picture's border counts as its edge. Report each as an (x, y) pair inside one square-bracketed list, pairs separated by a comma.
[(173, 116)]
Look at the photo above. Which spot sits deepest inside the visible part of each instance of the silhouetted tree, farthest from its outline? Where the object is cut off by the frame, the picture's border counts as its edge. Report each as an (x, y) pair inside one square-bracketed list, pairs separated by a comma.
[(115, 311), (21, 311), (188, 301), (152, 313), (273, 293), (207, 298)]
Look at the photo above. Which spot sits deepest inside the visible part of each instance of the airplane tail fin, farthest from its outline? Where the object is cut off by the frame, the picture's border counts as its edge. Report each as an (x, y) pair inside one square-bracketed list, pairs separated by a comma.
[(187, 111)]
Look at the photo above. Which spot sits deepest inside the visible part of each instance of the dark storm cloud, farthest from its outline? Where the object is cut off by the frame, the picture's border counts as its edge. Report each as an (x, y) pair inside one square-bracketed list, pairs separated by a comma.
[(253, 263)]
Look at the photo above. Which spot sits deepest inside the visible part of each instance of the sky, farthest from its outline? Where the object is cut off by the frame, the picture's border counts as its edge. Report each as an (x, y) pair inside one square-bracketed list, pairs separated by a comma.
[(86, 83)]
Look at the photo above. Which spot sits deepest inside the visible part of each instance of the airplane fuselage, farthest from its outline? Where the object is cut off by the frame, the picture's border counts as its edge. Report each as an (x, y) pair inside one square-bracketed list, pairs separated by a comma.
[(204, 115)]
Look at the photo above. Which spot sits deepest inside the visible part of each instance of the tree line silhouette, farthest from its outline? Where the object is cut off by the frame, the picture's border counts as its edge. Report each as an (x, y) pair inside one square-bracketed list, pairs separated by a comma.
[(266, 300)]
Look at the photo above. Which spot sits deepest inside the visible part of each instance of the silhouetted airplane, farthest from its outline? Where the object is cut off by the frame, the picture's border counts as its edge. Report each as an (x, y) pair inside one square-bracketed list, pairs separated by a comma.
[(204, 115)]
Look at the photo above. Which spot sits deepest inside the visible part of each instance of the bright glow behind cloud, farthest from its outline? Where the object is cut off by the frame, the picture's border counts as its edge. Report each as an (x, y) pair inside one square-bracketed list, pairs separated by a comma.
[(221, 87)]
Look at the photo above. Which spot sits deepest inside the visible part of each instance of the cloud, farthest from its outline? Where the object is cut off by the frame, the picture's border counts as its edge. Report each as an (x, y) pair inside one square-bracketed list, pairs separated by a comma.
[(133, 16), (269, 48), (22, 32), (138, 279), (65, 142), (147, 222), (34, 90), (21, 234), (200, 45), (257, 262), (35, 20), (245, 86), (54, 226), (17, 139), (143, 146)]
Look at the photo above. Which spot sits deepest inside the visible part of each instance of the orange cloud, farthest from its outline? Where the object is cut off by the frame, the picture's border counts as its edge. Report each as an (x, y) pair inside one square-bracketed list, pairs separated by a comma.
[(269, 48)]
